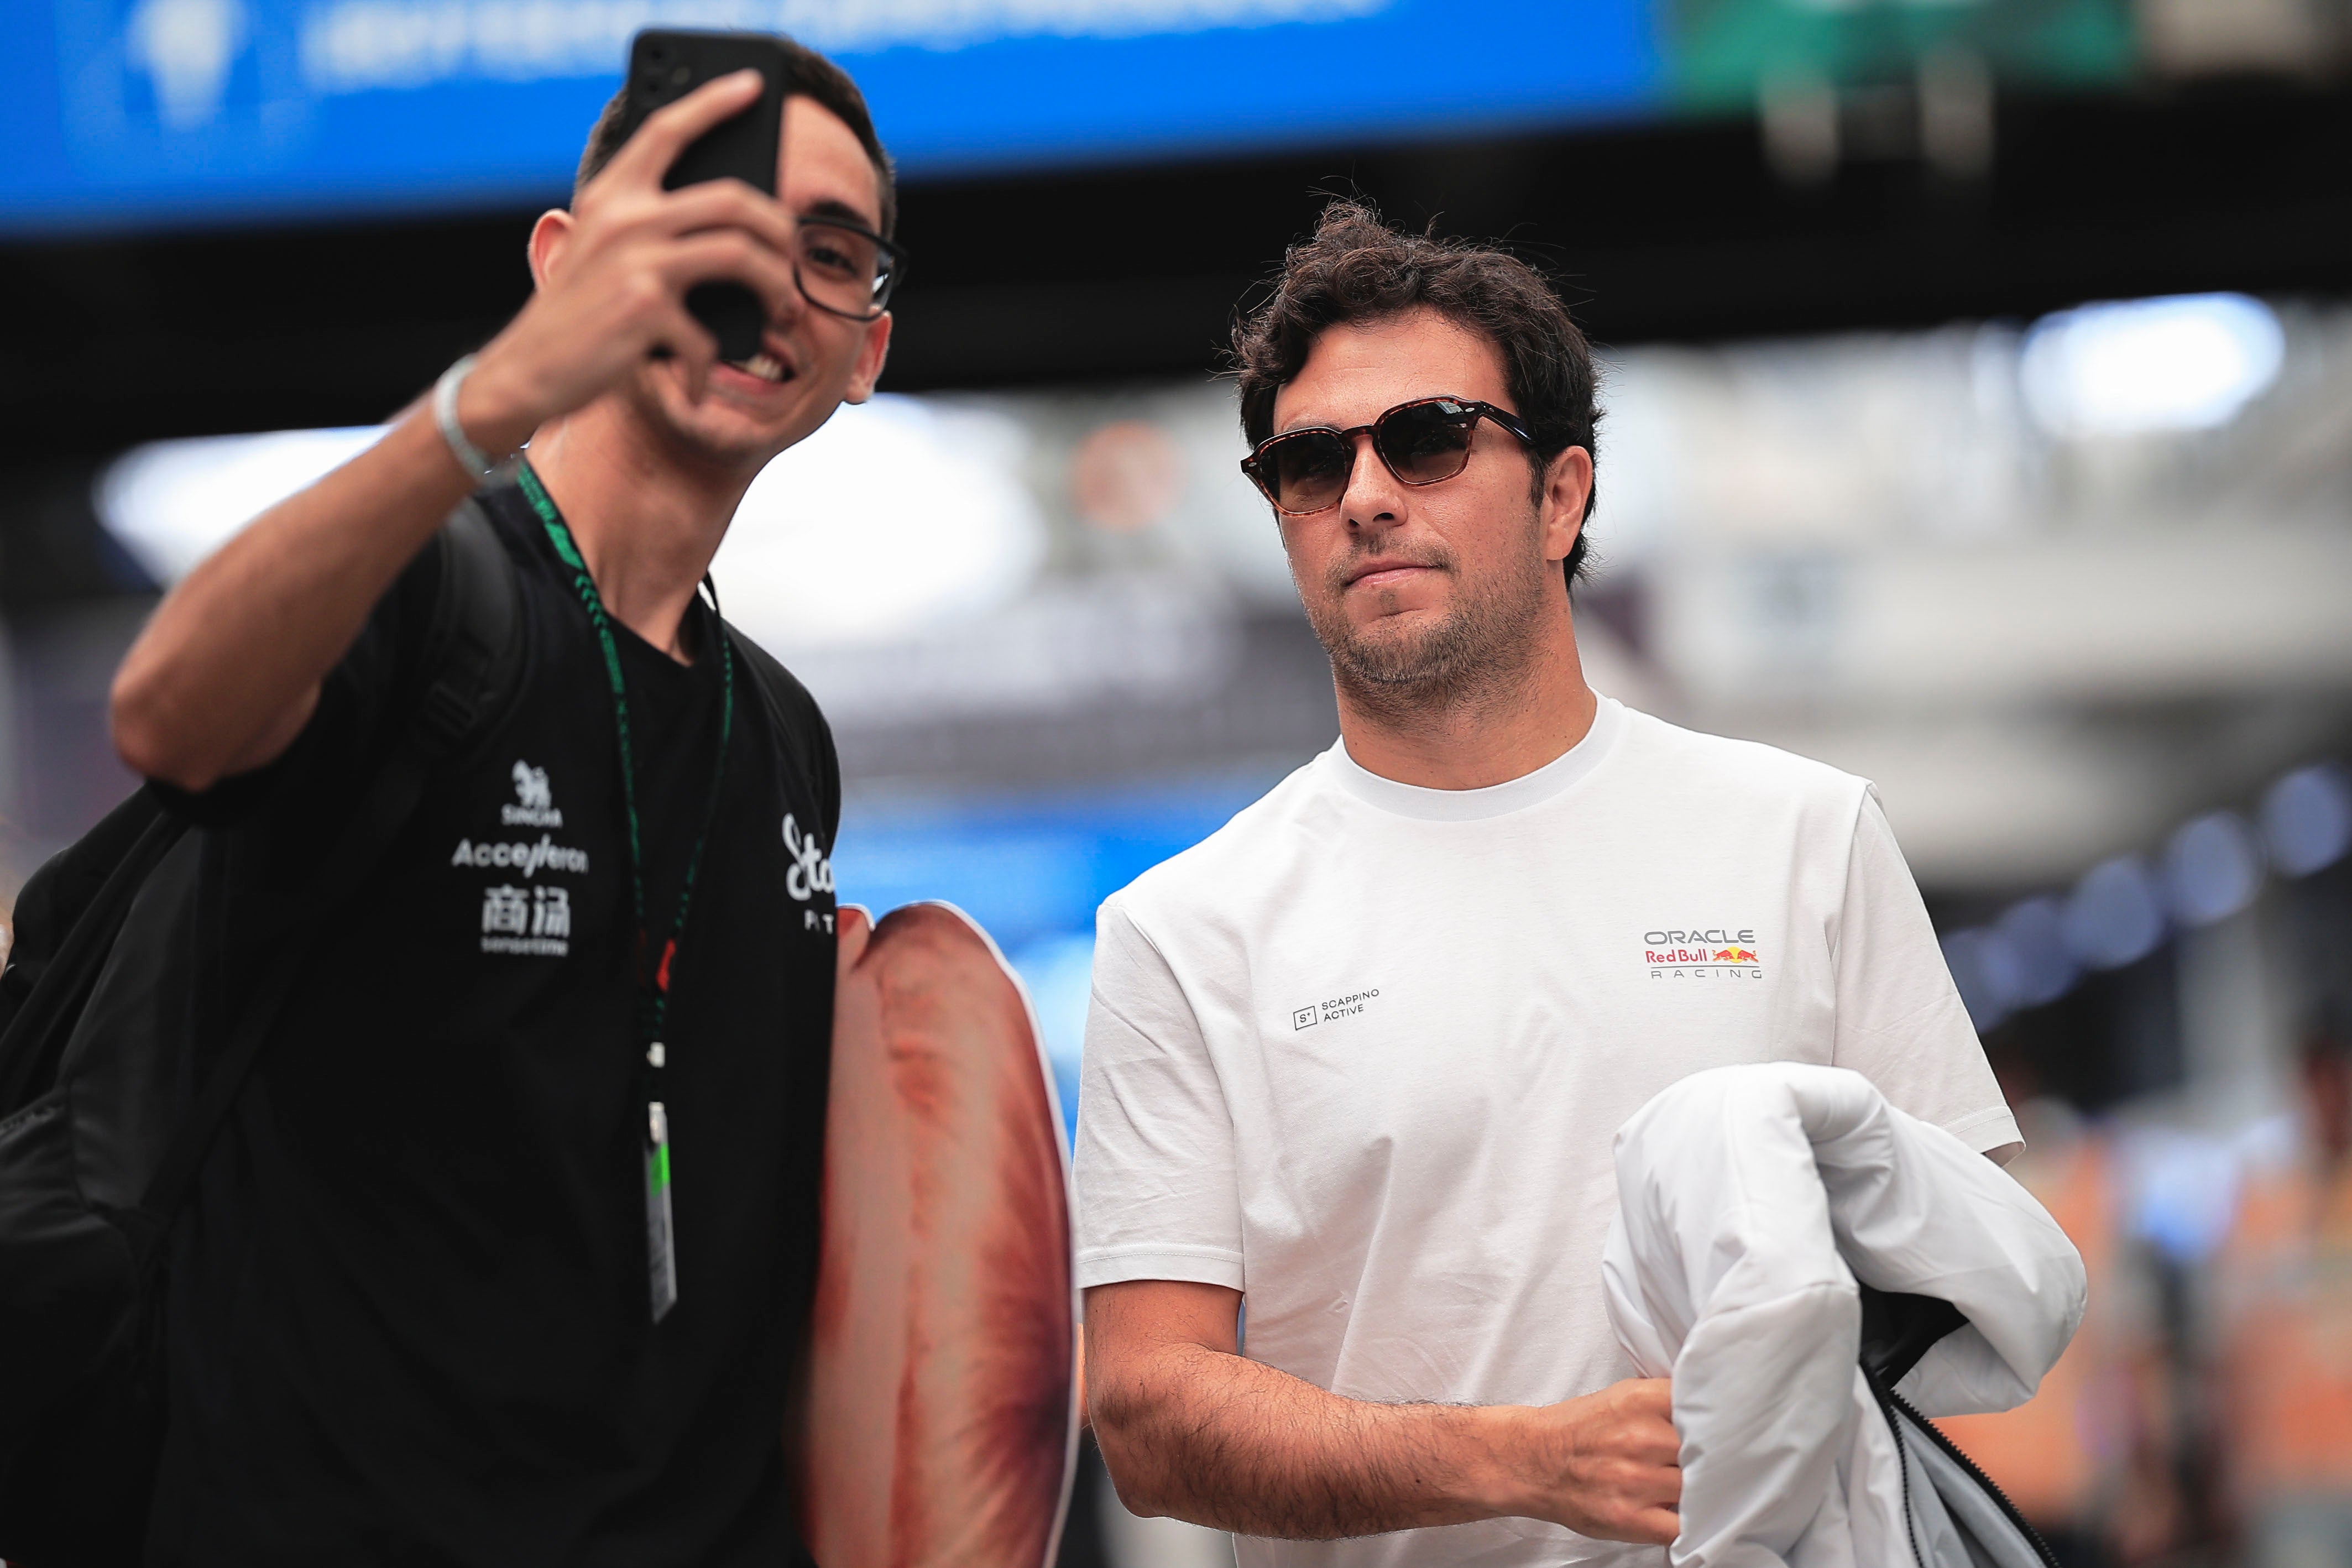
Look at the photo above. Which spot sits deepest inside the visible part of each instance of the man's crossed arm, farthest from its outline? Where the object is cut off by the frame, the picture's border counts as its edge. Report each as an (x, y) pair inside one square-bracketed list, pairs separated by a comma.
[(1189, 1428)]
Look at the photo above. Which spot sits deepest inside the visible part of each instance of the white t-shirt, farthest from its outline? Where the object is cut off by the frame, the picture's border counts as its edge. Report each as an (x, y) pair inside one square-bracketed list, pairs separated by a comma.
[(1362, 1055)]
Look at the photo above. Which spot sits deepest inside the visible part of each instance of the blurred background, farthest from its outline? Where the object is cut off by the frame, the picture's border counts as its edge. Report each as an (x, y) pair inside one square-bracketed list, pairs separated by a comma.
[(1979, 377)]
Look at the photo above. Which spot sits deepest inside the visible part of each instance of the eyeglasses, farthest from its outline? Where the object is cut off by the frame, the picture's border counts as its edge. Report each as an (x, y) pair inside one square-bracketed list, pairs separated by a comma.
[(844, 271), (1422, 442)]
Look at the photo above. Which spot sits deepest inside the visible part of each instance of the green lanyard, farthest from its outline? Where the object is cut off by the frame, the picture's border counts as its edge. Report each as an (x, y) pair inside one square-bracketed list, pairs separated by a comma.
[(654, 1004)]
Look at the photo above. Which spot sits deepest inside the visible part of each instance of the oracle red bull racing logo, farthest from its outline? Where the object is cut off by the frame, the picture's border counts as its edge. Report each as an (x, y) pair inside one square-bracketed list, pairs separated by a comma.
[(1710, 952)]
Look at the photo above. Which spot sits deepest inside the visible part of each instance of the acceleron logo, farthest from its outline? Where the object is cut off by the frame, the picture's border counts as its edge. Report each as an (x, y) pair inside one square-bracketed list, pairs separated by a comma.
[(1701, 953), (535, 920)]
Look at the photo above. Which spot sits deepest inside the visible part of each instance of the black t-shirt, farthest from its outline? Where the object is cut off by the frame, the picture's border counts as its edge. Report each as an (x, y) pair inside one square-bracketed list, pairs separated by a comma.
[(409, 1319)]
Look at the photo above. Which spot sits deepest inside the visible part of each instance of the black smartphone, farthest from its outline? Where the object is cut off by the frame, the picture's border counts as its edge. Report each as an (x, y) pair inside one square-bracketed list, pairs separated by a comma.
[(665, 65)]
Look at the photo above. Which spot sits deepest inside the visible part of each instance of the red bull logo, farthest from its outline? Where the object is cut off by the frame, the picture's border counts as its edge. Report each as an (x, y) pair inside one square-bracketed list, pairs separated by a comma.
[(1694, 952)]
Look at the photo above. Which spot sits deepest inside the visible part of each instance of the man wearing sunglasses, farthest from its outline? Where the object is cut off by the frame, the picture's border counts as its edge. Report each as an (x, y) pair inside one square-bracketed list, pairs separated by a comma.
[(1355, 1063), (505, 1255)]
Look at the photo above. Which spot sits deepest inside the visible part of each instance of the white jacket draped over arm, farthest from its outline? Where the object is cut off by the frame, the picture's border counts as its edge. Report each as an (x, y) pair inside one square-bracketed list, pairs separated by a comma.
[(1751, 1200)]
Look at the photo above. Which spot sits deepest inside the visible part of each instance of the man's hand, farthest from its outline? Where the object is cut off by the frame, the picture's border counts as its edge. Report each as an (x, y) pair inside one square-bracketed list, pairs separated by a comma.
[(613, 282), (1605, 1466), (228, 670)]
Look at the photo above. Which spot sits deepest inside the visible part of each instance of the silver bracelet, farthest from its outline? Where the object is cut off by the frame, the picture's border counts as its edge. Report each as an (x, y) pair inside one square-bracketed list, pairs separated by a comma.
[(469, 457)]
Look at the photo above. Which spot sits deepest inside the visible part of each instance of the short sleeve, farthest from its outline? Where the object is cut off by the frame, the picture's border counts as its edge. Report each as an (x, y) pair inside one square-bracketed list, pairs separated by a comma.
[(1158, 1196), (1900, 1022), (828, 773), (346, 729), (804, 731)]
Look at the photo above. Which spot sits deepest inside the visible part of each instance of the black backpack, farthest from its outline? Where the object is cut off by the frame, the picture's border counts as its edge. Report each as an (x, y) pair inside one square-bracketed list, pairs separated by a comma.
[(103, 1126)]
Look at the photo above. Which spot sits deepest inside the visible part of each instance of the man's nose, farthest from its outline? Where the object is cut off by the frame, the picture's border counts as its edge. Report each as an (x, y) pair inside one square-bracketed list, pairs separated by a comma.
[(1373, 495), (795, 305)]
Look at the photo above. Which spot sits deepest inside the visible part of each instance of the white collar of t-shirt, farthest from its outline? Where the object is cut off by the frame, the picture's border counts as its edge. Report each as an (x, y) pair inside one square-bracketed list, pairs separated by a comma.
[(1562, 773)]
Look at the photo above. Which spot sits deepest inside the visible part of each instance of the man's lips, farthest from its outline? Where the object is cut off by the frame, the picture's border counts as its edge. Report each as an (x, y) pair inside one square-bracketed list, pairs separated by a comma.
[(1385, 574)]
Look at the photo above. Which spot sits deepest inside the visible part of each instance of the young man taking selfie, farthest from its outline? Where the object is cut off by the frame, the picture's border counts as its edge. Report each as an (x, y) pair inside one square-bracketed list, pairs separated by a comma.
[(505, 1254), (1355, 1062)]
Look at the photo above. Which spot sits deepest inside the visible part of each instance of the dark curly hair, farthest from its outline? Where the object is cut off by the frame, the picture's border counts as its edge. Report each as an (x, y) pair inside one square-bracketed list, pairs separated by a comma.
[(1356, 267)]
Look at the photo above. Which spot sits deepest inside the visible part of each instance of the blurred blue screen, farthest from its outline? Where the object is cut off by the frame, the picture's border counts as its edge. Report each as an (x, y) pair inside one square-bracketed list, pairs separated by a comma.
[(128, 112)]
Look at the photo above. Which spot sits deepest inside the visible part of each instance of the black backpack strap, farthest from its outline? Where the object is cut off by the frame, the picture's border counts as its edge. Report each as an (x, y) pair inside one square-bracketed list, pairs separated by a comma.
[(472, 655), (470, 671)]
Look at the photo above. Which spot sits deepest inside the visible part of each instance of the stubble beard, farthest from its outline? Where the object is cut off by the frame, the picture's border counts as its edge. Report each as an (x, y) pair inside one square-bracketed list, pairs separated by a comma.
[(1479, 652)]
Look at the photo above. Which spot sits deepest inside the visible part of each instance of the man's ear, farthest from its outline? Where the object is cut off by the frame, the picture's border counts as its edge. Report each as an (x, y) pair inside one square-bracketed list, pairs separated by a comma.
[(871, 353), (550, 237), (1568, 485)]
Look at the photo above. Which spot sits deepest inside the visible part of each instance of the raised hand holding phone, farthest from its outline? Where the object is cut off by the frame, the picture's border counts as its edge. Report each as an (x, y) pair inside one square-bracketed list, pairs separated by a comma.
[(665, 65), (615, 272)]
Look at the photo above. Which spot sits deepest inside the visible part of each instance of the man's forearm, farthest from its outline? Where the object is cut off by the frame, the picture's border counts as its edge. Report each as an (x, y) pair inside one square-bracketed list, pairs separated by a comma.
[(227, 671), (1224, 1441)]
